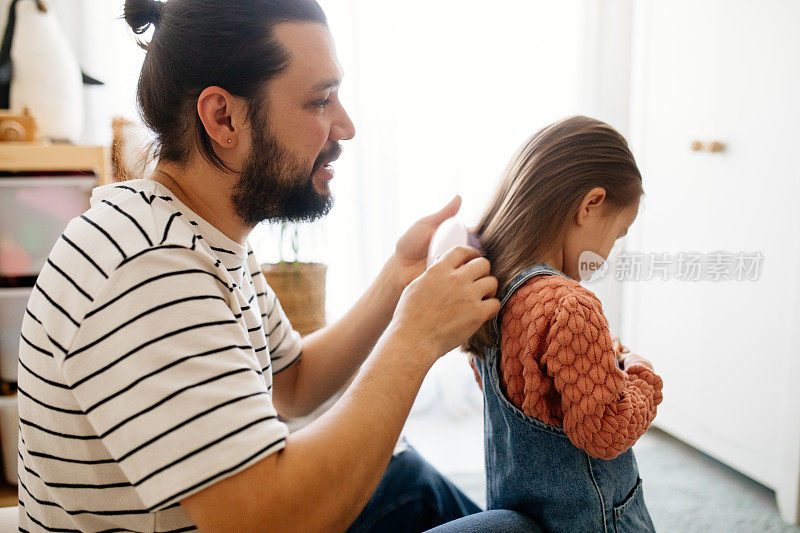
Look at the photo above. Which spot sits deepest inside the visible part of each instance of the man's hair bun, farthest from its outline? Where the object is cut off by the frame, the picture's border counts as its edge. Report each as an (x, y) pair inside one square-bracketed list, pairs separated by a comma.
[(140, 14)]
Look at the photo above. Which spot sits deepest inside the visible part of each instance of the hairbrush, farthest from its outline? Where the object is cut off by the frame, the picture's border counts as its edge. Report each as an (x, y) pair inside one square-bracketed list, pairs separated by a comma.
[(449, 234)]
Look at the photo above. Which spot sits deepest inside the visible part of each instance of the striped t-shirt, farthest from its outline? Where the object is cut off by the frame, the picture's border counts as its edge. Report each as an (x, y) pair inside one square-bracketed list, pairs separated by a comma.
[(146, 361)]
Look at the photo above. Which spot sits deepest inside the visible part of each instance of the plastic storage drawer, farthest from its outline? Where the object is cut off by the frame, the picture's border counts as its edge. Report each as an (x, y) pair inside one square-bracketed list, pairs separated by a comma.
[(33, 213)]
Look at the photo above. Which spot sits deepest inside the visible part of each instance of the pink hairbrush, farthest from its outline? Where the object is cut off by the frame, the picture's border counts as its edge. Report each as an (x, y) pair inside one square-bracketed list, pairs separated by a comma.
[(449, 234)]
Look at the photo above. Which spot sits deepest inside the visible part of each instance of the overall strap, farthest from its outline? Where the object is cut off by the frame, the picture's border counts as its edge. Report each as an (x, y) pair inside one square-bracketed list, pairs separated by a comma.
[(518, 281)]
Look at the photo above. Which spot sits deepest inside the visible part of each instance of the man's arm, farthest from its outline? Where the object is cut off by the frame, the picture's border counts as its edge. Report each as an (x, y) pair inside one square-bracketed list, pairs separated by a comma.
[(333, 354), (328, 470)]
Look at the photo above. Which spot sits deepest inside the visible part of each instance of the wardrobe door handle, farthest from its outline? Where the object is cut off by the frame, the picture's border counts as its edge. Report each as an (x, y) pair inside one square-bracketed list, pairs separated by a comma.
[(712, 147)]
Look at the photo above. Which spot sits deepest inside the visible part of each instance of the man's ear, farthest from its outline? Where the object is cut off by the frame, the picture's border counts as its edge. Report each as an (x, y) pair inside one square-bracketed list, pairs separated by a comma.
[(591, 205), (217, 109)]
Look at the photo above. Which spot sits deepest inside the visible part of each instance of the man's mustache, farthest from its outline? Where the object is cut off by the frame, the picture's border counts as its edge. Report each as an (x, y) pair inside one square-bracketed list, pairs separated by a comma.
[(328, 156)]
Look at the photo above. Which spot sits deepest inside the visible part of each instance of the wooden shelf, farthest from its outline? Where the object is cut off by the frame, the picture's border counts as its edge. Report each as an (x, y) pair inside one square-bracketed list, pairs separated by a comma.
[(33, 157)]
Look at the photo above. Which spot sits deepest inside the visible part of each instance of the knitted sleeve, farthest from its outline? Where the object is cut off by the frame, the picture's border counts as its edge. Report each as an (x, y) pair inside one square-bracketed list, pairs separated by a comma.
[(605, 409)]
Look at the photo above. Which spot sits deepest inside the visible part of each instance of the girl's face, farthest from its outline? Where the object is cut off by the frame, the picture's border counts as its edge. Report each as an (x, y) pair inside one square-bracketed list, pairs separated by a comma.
[(595, 228)]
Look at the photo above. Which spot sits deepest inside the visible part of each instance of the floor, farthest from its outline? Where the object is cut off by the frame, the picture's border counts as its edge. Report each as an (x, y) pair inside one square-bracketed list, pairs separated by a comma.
[(685, 490)]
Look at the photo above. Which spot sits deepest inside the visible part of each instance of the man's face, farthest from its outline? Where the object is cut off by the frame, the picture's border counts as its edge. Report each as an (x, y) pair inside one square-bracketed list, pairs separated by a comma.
[(295, 133)]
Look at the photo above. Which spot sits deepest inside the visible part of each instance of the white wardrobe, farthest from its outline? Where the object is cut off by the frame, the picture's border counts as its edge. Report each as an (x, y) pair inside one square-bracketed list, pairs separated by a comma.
[(725, 72)]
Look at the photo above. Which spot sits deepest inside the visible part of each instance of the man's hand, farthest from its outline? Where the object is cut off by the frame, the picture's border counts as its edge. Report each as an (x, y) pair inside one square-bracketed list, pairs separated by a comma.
[(332, 355), (411, 253), (446, 304)]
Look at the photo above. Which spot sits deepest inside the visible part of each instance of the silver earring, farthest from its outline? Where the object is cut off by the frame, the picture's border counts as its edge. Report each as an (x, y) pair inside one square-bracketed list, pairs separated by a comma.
[(229, 141)]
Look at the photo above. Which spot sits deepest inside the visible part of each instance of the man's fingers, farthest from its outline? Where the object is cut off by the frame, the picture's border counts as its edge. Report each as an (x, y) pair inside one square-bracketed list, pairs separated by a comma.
[(490, 307), (486, 287), (458, 256), (443, 214), (477, 268)]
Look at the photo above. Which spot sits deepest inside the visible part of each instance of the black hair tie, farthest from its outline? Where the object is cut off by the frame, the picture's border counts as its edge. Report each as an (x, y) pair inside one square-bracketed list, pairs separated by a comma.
[(155, 16), (141, 14)]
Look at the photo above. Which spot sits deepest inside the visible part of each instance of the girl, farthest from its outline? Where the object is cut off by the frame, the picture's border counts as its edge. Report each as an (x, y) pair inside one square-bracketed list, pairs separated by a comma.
[(563, 401)]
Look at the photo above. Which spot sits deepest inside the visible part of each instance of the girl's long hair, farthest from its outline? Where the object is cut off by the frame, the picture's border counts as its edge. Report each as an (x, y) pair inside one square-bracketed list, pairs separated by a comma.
[(540, 193)]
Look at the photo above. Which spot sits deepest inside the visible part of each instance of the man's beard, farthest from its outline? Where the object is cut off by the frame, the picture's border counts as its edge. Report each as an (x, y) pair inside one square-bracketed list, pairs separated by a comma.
[(276, 187)]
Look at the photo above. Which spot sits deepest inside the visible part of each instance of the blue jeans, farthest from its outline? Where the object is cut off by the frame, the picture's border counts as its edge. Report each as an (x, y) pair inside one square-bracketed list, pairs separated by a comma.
[(413, 497)]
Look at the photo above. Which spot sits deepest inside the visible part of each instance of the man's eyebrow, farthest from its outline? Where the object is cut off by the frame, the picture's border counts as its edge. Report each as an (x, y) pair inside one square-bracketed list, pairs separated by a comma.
[(324, 85)]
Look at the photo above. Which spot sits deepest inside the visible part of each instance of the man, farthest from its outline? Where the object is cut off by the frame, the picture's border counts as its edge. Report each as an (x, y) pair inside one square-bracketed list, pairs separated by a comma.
[(155, 358)]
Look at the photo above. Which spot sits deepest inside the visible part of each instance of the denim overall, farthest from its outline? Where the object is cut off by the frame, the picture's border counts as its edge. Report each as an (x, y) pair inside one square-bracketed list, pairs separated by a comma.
[(532, 467)]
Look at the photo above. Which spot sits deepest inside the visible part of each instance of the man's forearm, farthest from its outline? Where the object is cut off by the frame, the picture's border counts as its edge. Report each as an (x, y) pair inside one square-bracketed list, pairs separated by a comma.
[(330, 468), (332, 355), (360, 431)]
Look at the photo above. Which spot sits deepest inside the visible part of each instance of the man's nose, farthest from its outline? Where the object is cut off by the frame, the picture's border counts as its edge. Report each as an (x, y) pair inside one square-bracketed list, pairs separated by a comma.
[(343, 128)]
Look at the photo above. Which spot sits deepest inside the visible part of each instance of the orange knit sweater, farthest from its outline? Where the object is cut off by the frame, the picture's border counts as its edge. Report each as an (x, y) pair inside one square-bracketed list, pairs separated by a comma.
[(558, 365)]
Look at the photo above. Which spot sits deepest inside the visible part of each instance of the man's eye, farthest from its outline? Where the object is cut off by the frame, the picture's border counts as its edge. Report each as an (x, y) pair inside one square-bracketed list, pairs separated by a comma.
[(322, 103)]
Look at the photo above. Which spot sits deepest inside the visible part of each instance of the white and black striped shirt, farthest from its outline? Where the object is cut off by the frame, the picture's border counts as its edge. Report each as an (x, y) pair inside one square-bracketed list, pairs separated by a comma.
[(146, 361)]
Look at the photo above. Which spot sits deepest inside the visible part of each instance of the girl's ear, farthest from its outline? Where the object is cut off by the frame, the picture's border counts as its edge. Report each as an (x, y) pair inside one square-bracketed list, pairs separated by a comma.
[(590, 206)]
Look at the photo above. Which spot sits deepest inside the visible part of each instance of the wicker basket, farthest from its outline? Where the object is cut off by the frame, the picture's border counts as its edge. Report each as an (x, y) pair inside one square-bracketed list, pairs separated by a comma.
[(301, 290)]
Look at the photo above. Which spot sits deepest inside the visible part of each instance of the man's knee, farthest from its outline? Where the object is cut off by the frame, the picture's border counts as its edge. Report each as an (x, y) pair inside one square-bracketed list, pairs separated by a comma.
[(494, 521)]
